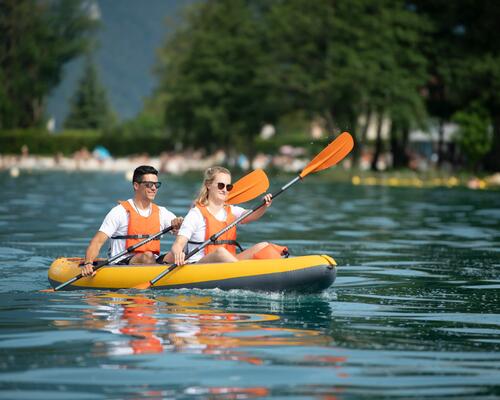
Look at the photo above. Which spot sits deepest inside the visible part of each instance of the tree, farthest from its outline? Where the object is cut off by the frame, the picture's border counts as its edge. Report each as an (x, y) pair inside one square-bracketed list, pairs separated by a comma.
[(38, 38), (89, 108), (346, 58), (474, 136), (238, 64), (476, 72), (211, 77), (465, 62), (399, 73)]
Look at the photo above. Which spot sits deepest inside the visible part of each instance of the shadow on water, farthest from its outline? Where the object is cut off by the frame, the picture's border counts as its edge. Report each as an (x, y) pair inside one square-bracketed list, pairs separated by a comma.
[(414, 313)]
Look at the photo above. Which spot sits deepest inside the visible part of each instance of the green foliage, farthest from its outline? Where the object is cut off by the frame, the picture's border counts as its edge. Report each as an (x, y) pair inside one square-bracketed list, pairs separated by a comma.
[(211, 77), (45, 143), (475, 136), (143, 125), (143, 134), (89, 107), (237, 65), (465, 61), (38, 38), (346, 58), (69, 141), (311, 147), (293, 130)]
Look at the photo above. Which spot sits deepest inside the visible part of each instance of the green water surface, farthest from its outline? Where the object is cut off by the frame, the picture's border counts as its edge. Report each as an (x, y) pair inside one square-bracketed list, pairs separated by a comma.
[(414, 312)]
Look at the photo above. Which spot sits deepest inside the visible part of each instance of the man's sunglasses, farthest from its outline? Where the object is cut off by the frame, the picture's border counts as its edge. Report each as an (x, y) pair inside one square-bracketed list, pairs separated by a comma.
[(150, 184), (228, 187)]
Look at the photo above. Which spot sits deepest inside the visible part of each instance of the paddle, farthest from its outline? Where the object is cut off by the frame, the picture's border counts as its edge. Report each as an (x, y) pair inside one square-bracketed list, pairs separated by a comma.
[(111, 259), (248, 187), (329, 156), (245, 189)]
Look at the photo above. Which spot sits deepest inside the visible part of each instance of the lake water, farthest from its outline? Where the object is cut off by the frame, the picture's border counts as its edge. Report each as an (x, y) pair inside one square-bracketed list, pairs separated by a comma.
[(414, 312)]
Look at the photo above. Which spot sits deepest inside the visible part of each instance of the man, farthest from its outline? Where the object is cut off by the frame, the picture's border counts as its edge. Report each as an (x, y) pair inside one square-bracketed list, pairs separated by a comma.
[(130, 222)]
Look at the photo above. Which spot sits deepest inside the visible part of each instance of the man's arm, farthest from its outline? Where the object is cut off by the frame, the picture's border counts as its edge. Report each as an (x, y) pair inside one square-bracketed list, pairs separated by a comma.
[(92, 252)]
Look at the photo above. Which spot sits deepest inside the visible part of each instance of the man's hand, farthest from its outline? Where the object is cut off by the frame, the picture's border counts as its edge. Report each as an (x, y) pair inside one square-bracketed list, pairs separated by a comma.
[(176, 224), (88, 269)]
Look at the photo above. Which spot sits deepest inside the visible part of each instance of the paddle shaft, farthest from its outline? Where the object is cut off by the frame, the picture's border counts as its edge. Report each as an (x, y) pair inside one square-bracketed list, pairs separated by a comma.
[(115, 257), (329, 156), (214, 237)]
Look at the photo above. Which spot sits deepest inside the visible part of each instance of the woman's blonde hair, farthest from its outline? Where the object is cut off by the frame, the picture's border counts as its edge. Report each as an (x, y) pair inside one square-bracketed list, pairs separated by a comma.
[(208, 179)]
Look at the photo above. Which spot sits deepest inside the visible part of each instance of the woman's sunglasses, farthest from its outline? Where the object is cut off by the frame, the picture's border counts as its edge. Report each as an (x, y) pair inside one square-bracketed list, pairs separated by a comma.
[(150, 184), (228, 187)]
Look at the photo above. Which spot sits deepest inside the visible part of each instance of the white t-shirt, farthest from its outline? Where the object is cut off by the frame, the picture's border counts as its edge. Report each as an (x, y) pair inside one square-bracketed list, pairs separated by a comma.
[(116, 224), (193, 227)]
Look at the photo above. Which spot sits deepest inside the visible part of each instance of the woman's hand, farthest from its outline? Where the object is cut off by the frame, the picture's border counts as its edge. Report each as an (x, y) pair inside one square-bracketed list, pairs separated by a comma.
[(179, 256), (268, 199), (177, 249)]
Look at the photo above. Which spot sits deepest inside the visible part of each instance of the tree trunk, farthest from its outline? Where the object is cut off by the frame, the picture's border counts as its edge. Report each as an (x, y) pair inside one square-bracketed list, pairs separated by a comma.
[(440, 145), (378, 143), (363, 138), (492, 159), (364, 130), (405, 150), (399, 142), (356, 151)]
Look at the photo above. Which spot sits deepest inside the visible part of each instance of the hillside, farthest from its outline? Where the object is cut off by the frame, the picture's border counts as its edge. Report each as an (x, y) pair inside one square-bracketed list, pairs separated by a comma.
[(130, 34)]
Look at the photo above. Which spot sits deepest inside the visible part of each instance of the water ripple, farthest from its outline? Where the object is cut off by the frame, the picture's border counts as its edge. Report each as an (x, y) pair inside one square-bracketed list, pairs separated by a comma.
[(414, 312)]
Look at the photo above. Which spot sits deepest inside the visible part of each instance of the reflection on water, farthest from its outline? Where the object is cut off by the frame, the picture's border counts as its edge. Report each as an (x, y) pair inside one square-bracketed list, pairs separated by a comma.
[(414, 312), (191, 324), (183, 324)]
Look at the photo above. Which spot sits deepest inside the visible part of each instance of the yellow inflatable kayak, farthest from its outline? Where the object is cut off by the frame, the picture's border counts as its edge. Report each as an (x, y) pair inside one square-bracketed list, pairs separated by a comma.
[(304, 274)]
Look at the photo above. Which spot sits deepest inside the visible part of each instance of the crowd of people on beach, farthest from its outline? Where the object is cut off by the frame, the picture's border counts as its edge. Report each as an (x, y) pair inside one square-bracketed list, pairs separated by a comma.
[(289, 159)]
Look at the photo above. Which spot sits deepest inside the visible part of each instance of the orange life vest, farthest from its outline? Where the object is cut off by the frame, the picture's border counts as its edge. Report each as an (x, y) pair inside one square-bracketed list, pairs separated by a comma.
[(213, 225), (140, 226)]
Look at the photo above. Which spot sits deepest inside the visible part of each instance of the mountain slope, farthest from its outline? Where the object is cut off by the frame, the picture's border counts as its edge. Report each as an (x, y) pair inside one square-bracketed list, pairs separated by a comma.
[(130, 34)]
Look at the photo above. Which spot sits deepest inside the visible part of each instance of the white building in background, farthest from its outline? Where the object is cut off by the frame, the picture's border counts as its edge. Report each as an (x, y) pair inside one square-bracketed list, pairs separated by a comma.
[(432, 134), (51, 124), (426, 142), (267, 131), (371, 133)]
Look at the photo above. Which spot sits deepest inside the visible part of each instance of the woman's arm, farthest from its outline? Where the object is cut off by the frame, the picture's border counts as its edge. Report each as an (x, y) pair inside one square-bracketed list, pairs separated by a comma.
[(178, 249), (268, 199)]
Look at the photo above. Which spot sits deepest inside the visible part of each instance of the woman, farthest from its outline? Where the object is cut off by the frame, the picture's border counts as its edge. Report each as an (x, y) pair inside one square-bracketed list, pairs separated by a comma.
[(210, 215)]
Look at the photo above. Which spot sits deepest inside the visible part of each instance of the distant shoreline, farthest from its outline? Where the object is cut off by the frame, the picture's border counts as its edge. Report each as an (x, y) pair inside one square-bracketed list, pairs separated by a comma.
[(174, 165), (181, 164)]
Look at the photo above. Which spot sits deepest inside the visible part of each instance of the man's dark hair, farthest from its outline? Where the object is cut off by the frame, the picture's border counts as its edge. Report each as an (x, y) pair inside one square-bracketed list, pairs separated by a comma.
[(143, 170)]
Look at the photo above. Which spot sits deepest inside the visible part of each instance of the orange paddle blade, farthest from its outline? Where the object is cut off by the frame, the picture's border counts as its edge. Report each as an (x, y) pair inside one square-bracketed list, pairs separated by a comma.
[(249, 187), (330, 155), (46, 290)]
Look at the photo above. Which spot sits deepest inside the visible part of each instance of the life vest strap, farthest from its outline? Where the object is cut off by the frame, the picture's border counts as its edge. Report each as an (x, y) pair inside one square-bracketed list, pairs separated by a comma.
[(218, 242), (132, 237)]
